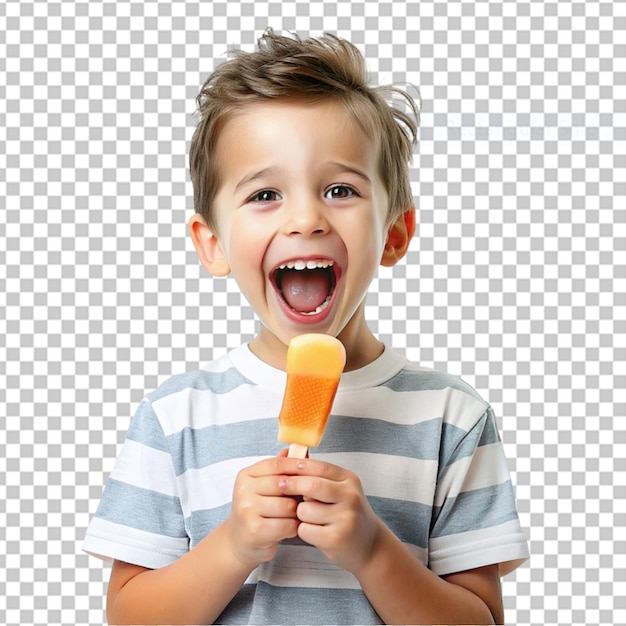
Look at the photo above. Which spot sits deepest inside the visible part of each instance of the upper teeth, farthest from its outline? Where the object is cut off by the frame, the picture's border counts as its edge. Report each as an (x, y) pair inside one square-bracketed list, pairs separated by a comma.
[(306, 265)]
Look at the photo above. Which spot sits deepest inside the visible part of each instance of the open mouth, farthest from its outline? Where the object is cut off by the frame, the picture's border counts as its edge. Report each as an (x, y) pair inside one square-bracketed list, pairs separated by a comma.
[(306, 286)]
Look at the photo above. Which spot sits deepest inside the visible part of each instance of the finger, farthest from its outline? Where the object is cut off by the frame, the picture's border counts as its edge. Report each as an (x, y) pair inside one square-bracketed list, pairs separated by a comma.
[(277, 507), (270, 485), (313, 488), (313, 534), (264, 532), (315, 467), (279, 464), (315, 512), (247, 488), (282, 528)]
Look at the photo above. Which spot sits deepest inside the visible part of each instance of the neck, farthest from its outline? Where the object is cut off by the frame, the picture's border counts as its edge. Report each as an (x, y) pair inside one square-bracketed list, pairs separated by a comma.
[(362, 347)]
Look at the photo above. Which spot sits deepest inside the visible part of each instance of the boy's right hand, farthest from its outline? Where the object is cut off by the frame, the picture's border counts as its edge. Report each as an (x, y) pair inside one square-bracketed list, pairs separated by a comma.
[(261, 515)]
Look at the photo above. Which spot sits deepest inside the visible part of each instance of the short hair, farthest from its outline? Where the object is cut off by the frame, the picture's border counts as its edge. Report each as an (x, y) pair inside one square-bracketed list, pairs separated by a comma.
[(314, 70)]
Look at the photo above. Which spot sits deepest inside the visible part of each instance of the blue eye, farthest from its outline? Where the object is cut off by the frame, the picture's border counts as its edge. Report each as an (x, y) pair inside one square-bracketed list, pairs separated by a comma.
[(267, 195), (339, 192)]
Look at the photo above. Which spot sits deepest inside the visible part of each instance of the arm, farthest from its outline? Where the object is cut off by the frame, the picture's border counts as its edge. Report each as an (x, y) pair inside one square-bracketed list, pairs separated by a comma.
[(337, 518), (196, 588), (403, 590)]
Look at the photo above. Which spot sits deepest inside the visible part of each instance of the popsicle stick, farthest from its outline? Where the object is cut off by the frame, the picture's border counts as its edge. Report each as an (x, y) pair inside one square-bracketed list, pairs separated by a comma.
[(297, 451)]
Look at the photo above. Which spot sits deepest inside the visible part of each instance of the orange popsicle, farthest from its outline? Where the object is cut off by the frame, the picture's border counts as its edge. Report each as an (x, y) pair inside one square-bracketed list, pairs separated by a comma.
[(314, 365)]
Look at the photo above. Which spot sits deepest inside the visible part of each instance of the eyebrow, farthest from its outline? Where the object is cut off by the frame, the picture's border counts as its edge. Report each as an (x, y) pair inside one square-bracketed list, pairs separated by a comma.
[(273, 170), (342, 167), (252, 176)]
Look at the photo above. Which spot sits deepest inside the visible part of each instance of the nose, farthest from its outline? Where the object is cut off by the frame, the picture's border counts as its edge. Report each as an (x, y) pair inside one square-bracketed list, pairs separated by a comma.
[(306, 218)]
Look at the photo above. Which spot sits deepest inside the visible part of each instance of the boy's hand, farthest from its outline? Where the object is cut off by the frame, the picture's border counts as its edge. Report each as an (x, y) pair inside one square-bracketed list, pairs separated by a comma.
[(335, 515), (261, 515)]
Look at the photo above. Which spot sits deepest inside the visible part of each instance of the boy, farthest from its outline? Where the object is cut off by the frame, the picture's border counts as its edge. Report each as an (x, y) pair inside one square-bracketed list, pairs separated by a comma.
[(405, 513)]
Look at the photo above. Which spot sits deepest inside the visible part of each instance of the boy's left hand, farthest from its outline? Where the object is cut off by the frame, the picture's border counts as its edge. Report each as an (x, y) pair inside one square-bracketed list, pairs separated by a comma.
[(335, 515)]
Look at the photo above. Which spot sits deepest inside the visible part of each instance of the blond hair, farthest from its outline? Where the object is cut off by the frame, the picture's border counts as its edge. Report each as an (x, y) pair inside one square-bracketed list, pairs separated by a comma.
[(315, 69)]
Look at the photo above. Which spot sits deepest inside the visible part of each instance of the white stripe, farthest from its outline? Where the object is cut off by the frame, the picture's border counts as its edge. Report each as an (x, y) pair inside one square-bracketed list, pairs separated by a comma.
[(219, 365), (486, 468), (388, 476), (202, 408), (142, 466), (461, 409), (130, 544), (497, 544), (211, 486), (410, 407), (305, 566), (381, 475)]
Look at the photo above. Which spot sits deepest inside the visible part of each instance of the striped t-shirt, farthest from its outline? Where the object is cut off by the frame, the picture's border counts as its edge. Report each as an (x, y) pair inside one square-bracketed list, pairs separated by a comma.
[(423, 443)]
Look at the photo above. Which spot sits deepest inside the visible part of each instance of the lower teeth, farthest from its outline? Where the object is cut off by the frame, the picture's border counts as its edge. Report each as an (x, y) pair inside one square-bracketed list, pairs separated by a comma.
[(319, 309)]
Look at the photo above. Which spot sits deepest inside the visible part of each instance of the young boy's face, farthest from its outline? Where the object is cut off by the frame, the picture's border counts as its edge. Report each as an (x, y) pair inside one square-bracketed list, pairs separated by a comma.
[(300, 188)]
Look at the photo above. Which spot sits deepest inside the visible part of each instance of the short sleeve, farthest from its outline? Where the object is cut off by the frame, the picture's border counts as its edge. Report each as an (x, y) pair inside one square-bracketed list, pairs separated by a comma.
[(140, 519), (475, 521)]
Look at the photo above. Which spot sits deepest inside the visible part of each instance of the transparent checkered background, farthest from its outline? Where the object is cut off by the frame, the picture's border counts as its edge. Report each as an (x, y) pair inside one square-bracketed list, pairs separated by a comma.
[(515, 279)]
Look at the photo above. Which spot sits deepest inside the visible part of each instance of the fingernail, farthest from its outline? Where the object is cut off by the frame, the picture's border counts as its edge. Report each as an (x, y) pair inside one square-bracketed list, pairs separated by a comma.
[(282, 484)]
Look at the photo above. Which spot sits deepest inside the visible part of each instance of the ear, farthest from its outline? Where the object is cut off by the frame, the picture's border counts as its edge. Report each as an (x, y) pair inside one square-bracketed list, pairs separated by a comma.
[(398, 238), (208, 247)]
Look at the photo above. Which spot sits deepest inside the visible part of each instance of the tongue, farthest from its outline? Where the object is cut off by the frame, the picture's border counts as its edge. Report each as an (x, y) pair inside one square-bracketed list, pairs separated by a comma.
[(305, 290)]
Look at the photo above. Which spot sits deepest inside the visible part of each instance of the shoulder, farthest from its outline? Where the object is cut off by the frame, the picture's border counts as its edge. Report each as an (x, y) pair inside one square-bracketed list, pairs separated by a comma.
[(456, 392), (414, 377), (220, 376), (187, 400), (443, 396)]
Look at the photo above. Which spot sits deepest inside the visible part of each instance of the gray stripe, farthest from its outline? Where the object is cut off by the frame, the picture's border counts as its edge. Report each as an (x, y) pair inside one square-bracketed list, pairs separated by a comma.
[(411, 380), (200, 447), (217, 382), (145, 428), (410, 521), (141, 509), (201, 523), (354, 434), (457, 443), (195, 448), (482, 508), (298, 606), (490, 433)]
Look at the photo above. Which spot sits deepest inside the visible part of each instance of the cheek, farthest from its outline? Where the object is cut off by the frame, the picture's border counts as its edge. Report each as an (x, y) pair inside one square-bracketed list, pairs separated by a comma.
[(246, 250), (370, 243), (365, 261)]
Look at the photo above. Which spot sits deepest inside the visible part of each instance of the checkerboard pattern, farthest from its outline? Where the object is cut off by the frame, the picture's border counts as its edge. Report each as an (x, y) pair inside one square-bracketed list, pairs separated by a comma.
[(515, 279)]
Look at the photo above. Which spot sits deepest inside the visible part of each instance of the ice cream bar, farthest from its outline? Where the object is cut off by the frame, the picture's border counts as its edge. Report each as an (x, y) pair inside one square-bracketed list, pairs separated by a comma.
[(314, 365)]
